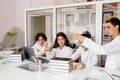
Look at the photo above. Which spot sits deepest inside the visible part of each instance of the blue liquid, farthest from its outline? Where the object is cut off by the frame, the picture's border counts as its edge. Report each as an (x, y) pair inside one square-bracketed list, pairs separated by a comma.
[(4, 61)]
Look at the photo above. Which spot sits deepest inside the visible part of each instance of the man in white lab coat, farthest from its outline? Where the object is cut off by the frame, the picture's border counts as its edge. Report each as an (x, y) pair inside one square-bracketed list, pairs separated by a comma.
[(112, 49)]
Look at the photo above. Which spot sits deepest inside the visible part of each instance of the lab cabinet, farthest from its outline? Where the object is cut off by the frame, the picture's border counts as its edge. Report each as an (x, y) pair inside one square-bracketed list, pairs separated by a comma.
[(70, 18)]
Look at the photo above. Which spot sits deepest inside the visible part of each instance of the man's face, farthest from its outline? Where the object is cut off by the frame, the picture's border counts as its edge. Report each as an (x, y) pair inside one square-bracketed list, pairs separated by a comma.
[(110, 29)]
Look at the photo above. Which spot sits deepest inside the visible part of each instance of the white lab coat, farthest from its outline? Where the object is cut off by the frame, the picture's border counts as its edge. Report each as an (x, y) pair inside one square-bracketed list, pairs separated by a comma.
[(64, 52), (112, 50), (36, 47), (87, 57)]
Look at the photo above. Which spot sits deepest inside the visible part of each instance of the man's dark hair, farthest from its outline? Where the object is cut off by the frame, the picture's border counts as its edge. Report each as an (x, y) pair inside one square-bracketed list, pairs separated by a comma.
[(114, 21)]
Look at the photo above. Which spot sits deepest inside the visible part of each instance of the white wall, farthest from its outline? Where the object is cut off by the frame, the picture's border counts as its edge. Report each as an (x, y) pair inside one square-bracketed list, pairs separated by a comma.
[(7, 16), (21, 5), (44, 3), (41, 3), (12, 15)]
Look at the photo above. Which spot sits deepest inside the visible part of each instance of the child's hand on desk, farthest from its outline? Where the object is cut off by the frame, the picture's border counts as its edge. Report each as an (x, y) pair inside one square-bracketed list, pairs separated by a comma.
[(37, 52), (78, 66)]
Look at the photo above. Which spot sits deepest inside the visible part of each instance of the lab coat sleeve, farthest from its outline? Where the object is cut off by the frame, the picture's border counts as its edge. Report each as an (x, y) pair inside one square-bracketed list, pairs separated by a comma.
[(93, 61), (76, 55), (70, 52), (38, 53), (52, 53), (98, 49)]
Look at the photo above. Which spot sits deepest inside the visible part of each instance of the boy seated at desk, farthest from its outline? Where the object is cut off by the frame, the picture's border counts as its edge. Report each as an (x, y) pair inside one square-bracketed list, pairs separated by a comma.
[(40, 44), (87, 56)]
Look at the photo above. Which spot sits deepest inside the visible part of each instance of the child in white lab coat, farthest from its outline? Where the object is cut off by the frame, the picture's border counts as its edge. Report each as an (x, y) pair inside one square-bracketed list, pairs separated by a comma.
[(87, 56), (112, 49), (61, 46), (41, 43)]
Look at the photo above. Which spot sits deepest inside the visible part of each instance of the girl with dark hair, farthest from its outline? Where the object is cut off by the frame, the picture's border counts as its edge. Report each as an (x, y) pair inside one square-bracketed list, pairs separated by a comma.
[(112, 49), (41, 43), (61, 46)]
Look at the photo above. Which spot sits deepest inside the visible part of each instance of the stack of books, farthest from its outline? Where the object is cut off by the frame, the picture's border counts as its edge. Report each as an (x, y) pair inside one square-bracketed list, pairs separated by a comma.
[(16, 57), (61, 64), (93, 0)]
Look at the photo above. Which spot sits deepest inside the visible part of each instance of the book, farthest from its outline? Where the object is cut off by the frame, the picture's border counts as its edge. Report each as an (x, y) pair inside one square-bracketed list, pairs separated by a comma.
[(89, 0), (61, 67), (16, 54), (61, 70), (61, 60), (16, 57), (60, 64), (15, 60)]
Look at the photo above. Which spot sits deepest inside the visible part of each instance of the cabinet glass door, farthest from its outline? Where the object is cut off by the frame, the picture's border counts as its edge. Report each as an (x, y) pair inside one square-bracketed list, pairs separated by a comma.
[(76, 19), (39, 21)]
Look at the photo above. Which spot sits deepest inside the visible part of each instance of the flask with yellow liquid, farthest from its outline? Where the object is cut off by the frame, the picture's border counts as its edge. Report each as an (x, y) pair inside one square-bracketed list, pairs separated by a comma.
[(47, 53)]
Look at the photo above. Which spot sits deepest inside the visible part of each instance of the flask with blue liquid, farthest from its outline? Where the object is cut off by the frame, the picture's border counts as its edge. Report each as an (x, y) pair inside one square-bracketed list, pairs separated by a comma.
[(4, 61)]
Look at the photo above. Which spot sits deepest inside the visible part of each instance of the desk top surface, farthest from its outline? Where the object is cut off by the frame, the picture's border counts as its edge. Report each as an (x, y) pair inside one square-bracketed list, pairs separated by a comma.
[(11, 71)]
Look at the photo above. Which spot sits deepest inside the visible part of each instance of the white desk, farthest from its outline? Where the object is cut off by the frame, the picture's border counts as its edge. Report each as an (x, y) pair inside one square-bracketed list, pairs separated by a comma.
[(10, 71), (7, 52)]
